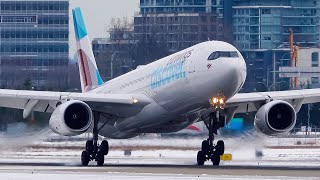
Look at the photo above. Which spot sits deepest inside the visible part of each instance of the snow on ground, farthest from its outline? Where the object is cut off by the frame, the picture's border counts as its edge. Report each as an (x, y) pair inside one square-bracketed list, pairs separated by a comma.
[(251, 146), (248, 150)]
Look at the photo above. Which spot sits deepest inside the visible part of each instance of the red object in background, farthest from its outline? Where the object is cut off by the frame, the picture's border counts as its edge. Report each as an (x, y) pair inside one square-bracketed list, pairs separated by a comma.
[(194, 128)]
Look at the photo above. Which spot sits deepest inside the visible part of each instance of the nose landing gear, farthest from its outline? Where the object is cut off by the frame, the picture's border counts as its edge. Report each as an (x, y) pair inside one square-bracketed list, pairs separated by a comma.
[(94, 151), (210, 151)]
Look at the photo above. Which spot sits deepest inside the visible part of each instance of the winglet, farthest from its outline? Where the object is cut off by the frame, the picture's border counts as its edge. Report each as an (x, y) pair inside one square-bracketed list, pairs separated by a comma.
[(89, 74)]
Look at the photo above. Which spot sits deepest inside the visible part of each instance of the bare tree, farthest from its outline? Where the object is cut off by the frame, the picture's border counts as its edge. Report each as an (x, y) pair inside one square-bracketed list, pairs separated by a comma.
[(153, 46), (120, 29), (119, 48)]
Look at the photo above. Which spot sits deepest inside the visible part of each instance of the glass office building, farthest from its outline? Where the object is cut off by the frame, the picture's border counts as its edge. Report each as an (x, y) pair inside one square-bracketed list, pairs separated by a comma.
[(33, 42), (181, 6), (181, 23), (262, 24), (261, 32)]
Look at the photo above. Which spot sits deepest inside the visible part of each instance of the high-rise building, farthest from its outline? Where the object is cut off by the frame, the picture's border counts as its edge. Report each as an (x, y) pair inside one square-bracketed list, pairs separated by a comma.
[(261, 32), (181, 6), (33, 43), (180, 23), (177, 31), (262, 24)]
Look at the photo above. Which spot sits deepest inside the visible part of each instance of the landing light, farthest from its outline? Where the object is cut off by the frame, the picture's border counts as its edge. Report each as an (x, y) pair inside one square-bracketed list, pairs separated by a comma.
[(217, 102), (135, 101)]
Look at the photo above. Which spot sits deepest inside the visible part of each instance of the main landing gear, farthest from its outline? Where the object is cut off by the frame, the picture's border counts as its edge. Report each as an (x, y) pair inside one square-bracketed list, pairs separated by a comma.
[(209, 151), (94, 151)]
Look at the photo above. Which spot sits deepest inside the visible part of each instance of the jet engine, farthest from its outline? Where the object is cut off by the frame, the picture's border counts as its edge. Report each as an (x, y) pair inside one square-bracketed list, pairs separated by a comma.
[(275, 118), (71, 118)]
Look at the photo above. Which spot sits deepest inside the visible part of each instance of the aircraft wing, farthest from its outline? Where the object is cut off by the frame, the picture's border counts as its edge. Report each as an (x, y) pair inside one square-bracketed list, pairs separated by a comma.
[(249, 102), (122, 105)]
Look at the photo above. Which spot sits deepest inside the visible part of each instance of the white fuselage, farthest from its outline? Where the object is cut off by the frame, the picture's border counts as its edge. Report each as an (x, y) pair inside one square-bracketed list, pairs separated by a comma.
[(180, 86)]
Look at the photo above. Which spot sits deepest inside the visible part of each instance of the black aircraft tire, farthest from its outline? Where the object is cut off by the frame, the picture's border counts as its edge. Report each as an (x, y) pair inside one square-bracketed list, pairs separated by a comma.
[(205, 148), (104, 147), (220, 148), (85, 158), (201, 158), (100, 159), (215, 160), (89, 147)]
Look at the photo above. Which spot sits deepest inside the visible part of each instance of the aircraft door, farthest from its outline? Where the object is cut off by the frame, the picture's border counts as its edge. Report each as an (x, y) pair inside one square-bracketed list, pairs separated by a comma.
[(191, 58), (191, 65)]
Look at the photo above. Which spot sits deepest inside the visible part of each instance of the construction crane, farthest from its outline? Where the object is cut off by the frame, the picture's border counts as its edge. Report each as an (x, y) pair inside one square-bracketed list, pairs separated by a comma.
[(294, 49)]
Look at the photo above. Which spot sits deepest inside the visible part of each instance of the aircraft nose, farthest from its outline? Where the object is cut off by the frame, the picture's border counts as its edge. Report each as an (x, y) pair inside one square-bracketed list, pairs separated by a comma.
[(235, 76)]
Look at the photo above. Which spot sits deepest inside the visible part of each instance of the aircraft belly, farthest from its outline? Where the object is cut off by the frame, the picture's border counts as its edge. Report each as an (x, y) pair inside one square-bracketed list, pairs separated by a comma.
[(167, 125), (152, 114), (114, 133), (174, 124)]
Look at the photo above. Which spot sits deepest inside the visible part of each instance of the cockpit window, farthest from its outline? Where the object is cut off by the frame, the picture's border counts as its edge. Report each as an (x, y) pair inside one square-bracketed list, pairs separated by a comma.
[(214, 56), (218, 54), (234, 54)]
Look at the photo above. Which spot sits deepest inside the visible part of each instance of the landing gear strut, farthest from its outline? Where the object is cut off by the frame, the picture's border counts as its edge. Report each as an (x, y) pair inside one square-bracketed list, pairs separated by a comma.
[(94, 151), (209, 151)]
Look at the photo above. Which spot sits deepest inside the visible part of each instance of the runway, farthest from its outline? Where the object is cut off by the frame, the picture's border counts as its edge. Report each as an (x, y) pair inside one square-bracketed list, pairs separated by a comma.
[(152, 168), (156, 159)]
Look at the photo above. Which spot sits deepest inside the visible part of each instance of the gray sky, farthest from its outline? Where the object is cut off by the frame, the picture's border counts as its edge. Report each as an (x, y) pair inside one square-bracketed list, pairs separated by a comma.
[(98, 13)]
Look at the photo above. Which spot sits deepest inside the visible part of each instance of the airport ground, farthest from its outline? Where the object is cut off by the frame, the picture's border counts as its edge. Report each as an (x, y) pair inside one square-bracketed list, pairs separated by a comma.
[(153, 168), (153, 158)]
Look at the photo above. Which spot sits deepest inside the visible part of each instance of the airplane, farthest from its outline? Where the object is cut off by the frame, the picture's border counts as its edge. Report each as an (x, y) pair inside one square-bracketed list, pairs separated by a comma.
[(200, 83)]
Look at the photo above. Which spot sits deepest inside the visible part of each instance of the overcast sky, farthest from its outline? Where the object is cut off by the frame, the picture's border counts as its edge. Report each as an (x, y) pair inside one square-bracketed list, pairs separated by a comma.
[(98, 13)]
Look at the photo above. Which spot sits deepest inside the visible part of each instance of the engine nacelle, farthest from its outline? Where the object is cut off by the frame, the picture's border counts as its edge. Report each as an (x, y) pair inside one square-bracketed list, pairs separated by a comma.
[(275, 118), (71, 118)]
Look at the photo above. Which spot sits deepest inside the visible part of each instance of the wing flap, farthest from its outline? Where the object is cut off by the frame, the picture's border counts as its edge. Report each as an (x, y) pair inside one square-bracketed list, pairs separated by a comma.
[(117, 104), (110, 98), (248, 102), (39, 95)]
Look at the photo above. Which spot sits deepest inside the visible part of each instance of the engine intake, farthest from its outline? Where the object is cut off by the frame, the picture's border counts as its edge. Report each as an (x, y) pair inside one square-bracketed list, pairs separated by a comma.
[(71, 118), (275, 118)]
